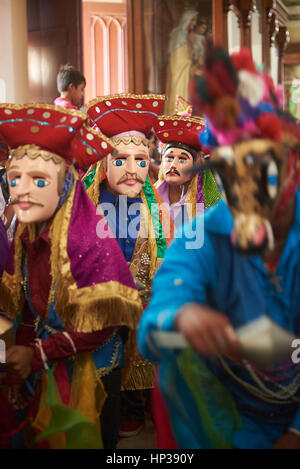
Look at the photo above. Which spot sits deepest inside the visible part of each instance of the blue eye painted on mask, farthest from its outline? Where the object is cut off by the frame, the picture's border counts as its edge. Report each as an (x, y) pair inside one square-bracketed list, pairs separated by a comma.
[(40, 182), (118, 162), (142, 163), (14, 182)]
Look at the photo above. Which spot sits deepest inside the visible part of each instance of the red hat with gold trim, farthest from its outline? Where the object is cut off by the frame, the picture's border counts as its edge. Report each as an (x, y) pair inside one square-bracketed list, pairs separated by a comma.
[(180, 129), (59, 130), (123, 113)]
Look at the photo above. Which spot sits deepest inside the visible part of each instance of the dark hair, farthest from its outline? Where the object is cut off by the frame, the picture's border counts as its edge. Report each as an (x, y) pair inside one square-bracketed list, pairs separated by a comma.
[(68, 74), (185, 147), (152, 134)]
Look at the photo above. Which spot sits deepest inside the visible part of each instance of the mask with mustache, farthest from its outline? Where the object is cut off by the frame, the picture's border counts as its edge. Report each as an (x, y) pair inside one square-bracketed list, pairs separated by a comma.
[(172, 171), (33, 202), (129, 177), (28, 199), (176, 161)]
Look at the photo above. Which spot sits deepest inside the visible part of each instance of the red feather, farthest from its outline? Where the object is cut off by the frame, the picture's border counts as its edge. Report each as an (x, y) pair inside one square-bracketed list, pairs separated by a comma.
[(270, 126), (224, 78), (243, 60)]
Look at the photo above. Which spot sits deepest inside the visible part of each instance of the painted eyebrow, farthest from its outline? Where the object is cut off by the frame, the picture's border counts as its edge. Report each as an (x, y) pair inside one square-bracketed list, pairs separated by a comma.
[(181, 154), (120, 156), (33, 169)]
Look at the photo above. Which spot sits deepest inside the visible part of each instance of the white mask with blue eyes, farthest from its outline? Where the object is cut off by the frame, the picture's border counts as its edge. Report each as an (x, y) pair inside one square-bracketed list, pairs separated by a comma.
[(33, 186), (127, 172)]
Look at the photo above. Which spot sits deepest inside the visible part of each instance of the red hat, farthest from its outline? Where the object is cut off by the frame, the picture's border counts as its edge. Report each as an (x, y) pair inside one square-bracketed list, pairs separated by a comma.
[(180, 129), (119, 113), (56, 129)]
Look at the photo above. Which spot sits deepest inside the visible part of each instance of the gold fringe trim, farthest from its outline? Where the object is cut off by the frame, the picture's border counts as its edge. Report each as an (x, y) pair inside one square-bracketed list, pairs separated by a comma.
[(95, 101), (130, 139), (152, 246), (8, 299), (91, 308), (191, 200), (93, 193), (195, 120), (11, 292), (141, 376), (160, 177), (130, 348), (50, 107), (99, 306)]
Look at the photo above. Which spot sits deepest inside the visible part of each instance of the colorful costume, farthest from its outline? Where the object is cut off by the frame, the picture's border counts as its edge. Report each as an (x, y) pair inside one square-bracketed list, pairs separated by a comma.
[(219, 403), (63, 286), (121, 114), (183, 132)]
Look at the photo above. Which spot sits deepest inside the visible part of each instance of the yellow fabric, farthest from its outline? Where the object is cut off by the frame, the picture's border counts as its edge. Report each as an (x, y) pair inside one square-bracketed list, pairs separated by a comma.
[(90, 308), (87, 391), (178, 77), (191, 200), (137, 373), (141, 375), (43, 418), (11, 292)]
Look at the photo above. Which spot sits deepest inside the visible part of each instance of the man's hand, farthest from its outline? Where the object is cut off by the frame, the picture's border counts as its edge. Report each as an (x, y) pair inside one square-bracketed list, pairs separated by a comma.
[(288, 441), (18, 359), (209, 332)]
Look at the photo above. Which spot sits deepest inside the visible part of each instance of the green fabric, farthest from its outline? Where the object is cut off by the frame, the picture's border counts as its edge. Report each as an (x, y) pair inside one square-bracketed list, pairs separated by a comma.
[(211, 191), (80, 432), (293, 101), (216, 407), (154, 210), (151, 200), (88, 180)]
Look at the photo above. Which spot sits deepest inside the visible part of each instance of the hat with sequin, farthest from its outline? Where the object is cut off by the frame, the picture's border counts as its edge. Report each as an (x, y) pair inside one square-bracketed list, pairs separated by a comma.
[(59, 130), (122, 113), (181, 129)]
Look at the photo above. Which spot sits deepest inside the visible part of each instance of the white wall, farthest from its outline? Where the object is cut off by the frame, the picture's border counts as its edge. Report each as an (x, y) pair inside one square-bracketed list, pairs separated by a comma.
[(13, 52), (233, 32), (256, 38)]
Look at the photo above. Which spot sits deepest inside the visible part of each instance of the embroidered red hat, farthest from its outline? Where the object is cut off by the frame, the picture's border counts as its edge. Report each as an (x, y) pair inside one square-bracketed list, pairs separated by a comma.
[(117, 114), (181, 129), (59, 130)]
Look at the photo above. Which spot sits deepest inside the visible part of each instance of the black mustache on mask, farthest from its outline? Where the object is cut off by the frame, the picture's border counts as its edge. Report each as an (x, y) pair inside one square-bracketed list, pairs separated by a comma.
[(172, 171)]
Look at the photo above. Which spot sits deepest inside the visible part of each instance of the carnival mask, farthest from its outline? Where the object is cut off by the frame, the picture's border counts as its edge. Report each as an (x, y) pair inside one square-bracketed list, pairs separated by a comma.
[(175, 163), (33, 185), (252, 174), (127, 172)]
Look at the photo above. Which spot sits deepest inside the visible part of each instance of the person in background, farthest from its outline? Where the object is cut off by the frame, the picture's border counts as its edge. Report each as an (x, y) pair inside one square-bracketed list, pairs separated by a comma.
[(184, 193), (66, 326), (133, 208), (70, 84), (218, 394)]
